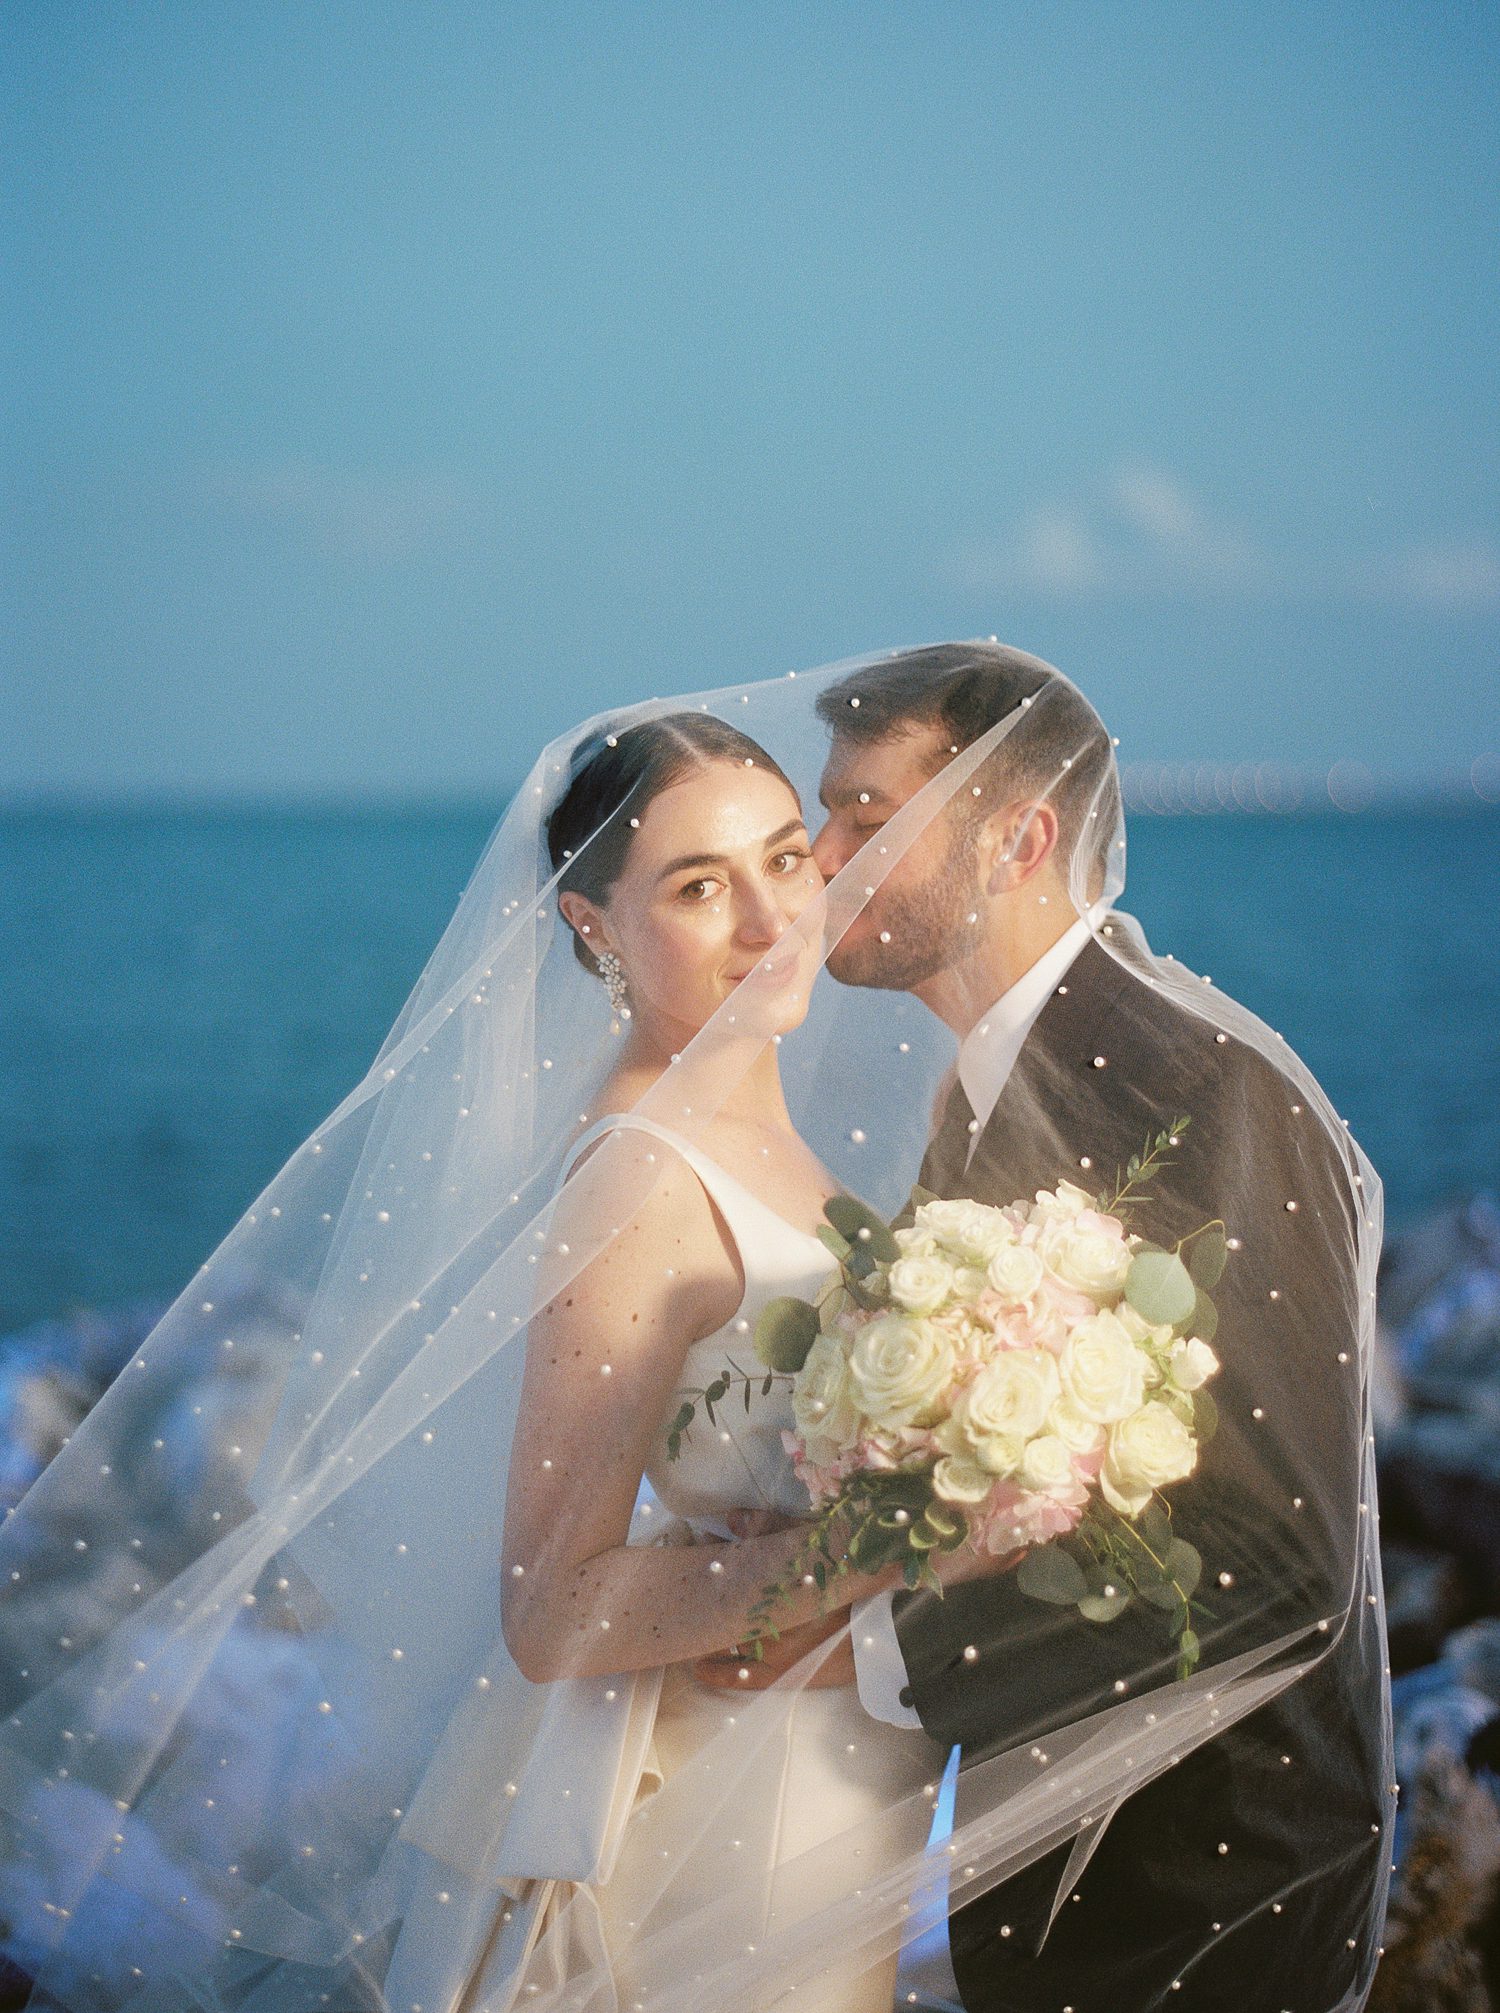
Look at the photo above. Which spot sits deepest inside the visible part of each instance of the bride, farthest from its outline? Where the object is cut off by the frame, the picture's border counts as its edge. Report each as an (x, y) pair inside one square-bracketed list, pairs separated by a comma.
[(351, 1646), (693, 896)]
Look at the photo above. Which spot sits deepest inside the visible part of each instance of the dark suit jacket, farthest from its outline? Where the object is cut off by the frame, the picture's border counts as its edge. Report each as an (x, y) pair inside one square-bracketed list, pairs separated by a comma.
[(1295, 1789)]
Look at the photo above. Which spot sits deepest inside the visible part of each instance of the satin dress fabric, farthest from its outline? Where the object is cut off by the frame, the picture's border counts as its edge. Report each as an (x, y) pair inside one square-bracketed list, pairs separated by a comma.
[(821, 1768)]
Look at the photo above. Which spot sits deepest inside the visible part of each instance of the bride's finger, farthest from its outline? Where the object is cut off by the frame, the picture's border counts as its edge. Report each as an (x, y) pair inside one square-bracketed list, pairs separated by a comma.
[(757, 1523)]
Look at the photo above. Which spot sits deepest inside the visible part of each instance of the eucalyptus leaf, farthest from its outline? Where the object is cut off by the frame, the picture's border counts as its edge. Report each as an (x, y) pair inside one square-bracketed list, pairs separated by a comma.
[(1103, 1607), (1155, 1526), (1205, 1416), (1205, 1319), (785, 1332), (830, 1307), (1160, 1288), (1048, 1573), (1207, 1259), (829, 1238), (1161, 1595), (1185, 1564), (849, 1216)]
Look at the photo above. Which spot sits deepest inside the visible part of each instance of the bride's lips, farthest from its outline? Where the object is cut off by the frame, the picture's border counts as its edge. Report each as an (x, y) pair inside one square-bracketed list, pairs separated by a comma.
[(774, 967)]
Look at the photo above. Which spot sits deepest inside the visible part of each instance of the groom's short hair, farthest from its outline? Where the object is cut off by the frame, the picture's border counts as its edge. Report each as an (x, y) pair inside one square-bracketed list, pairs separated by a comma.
[(1063, 753)]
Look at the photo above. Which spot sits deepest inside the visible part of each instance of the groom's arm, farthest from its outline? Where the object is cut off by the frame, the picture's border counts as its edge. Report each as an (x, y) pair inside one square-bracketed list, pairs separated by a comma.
[(1272, 1506)]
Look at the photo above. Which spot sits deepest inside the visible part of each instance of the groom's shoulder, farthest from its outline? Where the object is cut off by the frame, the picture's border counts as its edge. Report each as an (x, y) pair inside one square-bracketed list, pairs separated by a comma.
[(1169, 1027)]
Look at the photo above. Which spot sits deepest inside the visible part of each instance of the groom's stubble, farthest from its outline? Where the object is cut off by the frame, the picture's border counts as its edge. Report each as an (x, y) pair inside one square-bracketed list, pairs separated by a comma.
[(928, 921)]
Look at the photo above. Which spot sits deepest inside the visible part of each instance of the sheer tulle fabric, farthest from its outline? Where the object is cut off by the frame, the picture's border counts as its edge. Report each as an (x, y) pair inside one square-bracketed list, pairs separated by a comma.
[(265, 1745)]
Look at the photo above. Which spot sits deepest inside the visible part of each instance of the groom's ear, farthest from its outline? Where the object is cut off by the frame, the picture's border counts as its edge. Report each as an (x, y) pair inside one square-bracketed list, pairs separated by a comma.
[(1015, 842)]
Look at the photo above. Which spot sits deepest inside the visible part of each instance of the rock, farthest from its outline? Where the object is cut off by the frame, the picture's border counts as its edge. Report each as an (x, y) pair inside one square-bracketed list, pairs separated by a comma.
[(1427, 1594), (1422, 1260), (1442, 1898)]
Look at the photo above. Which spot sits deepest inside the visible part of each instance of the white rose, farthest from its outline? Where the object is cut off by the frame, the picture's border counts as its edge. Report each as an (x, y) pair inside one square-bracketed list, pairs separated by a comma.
[(1064, 1200), (956, 1480), (1139, 1329), (1103, 1372), (970, 1230), (1078, 1435), (914, 1243), (823, 1402), (1191, 1363), (1047, 1465), (1091, 1260), (1146, 1451), (901, 1367), (1009, 1397), (995, 1453), (920, 1283), (1015, 1270)]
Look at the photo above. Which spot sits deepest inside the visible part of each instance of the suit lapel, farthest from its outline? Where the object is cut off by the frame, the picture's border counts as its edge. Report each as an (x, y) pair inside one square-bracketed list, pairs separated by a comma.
[(1055, 1075)]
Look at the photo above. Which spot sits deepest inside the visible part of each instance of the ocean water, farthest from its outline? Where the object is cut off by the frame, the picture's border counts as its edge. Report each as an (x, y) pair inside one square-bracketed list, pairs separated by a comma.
[(187, 992)]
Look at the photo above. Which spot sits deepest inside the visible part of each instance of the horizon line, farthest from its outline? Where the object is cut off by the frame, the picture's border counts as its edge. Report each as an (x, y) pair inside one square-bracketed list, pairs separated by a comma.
[(1156, 789)]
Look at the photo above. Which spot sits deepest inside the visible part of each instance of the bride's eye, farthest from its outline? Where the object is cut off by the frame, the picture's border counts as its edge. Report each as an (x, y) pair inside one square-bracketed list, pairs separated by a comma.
[(793, 857), (695, 891)]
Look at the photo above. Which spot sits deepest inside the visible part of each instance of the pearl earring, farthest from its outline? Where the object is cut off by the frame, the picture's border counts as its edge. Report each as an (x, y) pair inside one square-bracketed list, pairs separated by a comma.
[(614, 979)]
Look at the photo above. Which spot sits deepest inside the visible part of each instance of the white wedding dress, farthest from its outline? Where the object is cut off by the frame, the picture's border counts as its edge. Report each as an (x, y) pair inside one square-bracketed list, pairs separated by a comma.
[(824, 1766)]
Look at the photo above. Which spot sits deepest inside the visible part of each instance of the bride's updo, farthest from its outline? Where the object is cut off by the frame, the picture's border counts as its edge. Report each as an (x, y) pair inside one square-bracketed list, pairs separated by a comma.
[(634, 766)]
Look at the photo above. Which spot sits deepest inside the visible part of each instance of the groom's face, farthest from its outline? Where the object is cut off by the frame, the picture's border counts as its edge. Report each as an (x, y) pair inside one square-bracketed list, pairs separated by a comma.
[(917, 922)]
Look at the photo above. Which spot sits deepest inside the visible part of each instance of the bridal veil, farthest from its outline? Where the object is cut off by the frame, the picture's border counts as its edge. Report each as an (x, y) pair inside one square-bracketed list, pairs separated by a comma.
[(263, 1746)]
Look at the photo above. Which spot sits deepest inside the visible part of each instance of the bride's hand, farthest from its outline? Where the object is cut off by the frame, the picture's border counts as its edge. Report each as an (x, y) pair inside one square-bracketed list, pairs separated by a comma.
[(759, 1523), (734, 1670), (953, 1568), (731, 1670)]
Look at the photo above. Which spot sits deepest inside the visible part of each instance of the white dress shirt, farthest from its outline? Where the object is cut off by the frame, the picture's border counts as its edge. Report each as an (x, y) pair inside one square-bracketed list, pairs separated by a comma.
[(986, 1057)]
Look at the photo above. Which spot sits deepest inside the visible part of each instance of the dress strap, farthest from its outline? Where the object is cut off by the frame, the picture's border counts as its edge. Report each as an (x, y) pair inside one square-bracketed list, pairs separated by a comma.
[(744, 1212)]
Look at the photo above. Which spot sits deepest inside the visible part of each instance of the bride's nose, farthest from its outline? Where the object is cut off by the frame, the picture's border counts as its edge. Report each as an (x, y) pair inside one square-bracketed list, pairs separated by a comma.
[(760, 918)]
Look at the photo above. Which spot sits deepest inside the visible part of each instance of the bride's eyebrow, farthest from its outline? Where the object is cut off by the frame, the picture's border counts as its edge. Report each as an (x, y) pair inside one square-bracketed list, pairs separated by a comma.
[(718, 859)]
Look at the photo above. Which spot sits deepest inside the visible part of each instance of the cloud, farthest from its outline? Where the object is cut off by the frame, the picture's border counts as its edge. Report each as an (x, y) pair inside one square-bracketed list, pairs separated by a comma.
[(1460, 576), (341, 512), (1140, 529)]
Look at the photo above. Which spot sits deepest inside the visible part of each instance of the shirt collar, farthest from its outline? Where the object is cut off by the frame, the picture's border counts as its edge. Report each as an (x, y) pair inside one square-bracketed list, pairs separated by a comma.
[(987, 1053)]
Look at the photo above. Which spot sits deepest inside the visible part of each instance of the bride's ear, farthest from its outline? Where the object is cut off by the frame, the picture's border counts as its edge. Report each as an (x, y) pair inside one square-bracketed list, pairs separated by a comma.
[(1015, 842), (586, 920)]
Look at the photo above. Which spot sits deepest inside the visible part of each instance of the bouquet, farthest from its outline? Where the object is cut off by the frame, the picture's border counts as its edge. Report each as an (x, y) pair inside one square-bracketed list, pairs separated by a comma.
[(1026, 1378)]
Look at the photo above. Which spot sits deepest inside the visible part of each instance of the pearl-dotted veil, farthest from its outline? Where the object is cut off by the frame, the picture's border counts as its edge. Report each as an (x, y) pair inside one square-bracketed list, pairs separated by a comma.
[(263, 1745)]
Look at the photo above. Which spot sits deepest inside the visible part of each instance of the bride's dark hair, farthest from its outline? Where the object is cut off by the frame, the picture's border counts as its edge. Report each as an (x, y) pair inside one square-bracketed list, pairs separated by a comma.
[(634, 765)]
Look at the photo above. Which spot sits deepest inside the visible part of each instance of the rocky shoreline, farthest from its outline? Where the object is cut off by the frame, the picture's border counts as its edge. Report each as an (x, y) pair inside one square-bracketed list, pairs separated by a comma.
[(1437, 1415)]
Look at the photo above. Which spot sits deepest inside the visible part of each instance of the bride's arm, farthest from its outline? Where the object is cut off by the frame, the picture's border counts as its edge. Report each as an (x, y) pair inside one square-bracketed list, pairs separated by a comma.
[(603, 1359)]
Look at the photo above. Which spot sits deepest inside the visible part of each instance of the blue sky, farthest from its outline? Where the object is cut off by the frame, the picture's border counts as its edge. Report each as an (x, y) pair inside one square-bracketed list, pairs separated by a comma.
[(394, 385)]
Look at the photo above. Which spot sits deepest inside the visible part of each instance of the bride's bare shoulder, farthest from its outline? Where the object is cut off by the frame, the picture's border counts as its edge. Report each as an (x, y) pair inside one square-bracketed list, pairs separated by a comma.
[(639, 1208)]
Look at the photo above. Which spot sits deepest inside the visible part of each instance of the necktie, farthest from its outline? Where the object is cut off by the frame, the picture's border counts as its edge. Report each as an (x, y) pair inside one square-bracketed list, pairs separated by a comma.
[(947, 1158)]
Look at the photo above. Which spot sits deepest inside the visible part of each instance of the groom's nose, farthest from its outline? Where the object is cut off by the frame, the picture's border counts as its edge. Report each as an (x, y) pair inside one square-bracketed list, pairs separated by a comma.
[(829, 853)]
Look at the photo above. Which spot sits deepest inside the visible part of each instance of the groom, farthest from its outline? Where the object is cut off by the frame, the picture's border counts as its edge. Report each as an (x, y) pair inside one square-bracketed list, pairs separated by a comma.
[(1241, 1876)]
